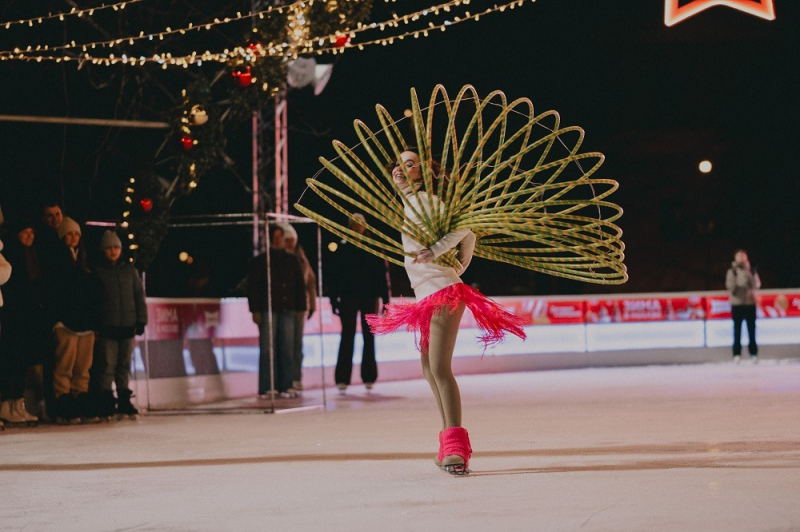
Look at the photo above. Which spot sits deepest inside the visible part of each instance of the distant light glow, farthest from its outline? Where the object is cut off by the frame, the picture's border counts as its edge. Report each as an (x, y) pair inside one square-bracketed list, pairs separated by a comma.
[(333, 246), (705, 166), (407, 113), (674, 12), (183, 256)]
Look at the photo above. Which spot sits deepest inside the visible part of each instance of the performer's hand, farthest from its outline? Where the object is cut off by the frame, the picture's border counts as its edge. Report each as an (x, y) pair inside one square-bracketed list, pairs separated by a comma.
[(423, 257), (257, 318)]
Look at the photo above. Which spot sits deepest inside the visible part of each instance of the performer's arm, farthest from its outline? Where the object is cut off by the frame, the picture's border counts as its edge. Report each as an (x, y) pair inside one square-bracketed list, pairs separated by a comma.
[(449, 241), (466, 251)]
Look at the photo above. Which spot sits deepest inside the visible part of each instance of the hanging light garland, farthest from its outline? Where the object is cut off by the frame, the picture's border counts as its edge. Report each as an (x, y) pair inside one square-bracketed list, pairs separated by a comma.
[(85, 47), (74, 12), (335, 42)]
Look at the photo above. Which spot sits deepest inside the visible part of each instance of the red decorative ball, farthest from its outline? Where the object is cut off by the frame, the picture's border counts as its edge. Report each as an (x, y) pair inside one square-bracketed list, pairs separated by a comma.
[(242, 76), (255, 47), (147, 204), (187, 142), (341, 41)]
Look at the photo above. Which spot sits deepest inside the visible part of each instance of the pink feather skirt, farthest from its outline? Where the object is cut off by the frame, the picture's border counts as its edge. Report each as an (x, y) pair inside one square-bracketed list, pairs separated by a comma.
[(493, 320)]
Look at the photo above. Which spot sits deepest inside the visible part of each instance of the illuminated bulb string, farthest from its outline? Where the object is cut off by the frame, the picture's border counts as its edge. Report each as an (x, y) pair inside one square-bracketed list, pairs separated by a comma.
[(195, 58), (393, 23), (74, 12), (85, 47)]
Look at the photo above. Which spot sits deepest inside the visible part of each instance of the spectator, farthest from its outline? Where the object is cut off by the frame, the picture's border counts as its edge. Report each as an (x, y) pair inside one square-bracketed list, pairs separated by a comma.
[(124, 315), (288, 298), (48, 244), (291, 245), (742, 281), (5, 275), (25, 327), (358, 284), (75, 311)]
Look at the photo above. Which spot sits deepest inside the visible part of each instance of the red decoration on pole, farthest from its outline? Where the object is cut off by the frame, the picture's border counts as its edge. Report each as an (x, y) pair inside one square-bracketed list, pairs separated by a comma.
[(243, 76), (187, 142), (147, 204), (255, 47), (341, 41)]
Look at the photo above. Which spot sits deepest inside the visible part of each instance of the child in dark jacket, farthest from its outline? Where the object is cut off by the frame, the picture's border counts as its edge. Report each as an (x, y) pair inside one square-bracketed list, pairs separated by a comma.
[(75, 309), (124, 315)]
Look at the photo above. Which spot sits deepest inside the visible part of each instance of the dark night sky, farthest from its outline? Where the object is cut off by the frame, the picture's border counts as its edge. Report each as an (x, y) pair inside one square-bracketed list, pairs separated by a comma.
[(654, 100)]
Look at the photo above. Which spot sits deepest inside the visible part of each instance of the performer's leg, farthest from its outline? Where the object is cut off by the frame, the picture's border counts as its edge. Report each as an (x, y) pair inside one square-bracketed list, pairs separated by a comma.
[(348, 312), (444, 329), (369, 367), (426, 370)]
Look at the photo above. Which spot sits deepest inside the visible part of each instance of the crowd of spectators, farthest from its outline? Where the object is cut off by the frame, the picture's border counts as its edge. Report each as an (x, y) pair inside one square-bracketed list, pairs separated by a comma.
[(66, 327)]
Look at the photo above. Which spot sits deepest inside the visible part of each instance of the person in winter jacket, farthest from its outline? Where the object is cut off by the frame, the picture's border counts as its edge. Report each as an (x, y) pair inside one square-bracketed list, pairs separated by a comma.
[(742, 281), (357, 285), (75, 311), (24, 325), (124, 315), (288, 297), (5, 275), (291, 245)]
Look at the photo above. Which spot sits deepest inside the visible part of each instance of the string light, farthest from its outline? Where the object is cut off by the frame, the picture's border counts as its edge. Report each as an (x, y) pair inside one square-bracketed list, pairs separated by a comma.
[(282, 49), (74, 12), (85, 47)]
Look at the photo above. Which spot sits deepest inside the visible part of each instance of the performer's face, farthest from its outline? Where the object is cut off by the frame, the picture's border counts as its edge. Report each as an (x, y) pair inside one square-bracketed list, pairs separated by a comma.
[(410, 161)]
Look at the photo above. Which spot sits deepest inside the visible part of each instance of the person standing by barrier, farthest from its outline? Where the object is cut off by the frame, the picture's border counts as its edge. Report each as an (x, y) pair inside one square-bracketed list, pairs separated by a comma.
[(288, 298), (75, 306), (291, 245), (742, 281), (124, 315), (358, 286), (24, 327), (5, 275)]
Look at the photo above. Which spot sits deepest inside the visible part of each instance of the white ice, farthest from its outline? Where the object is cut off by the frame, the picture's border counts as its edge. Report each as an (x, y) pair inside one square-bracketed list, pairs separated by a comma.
[(691, 447)]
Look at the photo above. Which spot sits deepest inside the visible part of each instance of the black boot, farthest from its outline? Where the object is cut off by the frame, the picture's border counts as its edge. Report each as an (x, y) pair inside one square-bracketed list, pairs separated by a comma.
[(67, 410), (107, 405), (86, 408), (124, 406)]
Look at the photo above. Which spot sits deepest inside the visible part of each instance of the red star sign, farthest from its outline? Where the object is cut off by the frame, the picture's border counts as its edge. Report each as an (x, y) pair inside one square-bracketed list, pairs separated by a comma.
[(674, 13)]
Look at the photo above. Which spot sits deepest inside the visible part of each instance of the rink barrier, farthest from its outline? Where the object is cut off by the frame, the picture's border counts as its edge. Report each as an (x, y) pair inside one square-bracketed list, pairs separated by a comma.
[(204, 350)]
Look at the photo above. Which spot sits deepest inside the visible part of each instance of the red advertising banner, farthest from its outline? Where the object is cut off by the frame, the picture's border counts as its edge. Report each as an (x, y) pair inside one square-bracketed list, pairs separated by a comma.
[(780, 305), (209, 319), (547, 312), (768, 306), (200, 320), (164, 321), (645, 309)]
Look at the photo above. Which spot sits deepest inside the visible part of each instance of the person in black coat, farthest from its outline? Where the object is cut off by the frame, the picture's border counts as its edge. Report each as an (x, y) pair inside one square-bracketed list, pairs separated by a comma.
[(288, 287), (75, 311), (358, 284), (24, 326)]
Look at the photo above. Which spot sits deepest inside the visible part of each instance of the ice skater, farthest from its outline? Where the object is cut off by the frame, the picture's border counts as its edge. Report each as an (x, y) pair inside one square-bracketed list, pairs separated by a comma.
[(500, 191), (441, 300)]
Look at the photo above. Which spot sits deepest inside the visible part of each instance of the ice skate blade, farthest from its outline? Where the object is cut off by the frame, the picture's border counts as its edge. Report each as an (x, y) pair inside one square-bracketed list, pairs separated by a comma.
[(457, 469)]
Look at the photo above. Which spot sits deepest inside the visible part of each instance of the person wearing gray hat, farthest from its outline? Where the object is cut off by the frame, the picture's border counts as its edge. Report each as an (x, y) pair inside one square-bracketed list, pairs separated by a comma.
[(123, 316)]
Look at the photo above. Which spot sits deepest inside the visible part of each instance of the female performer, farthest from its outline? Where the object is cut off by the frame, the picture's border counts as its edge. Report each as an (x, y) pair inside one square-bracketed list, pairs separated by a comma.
[(529, 198), (441, 300)]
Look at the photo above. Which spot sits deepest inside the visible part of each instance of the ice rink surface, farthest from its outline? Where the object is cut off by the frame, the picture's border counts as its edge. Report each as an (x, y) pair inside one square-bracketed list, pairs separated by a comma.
[(691, 447)]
